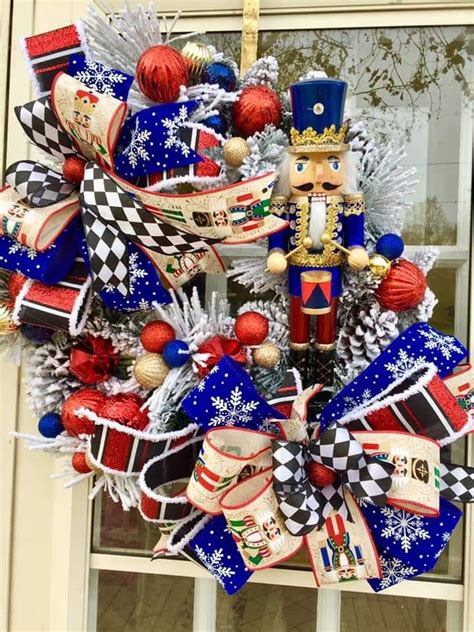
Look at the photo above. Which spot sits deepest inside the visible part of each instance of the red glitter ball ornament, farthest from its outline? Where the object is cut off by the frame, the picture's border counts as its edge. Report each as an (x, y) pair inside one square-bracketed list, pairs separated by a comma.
[(156, 335), (124, 408), (15, 283), (320, 475), (161, 70), (257, 106), (403, 288), (79, 463), (84, 398), (251, 328), (73, 169)]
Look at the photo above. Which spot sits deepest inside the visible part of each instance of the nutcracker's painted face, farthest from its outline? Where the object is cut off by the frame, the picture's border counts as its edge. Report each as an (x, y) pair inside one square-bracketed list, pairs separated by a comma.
[(318, 172), (271, 529)]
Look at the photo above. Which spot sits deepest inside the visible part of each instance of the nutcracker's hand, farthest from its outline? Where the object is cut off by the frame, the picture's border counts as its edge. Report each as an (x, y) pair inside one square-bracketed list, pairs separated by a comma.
[(358, 259), (277, 262)]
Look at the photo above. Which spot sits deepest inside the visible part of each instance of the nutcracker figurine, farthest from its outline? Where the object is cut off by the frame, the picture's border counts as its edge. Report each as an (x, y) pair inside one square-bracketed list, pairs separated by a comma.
[(325, 216)]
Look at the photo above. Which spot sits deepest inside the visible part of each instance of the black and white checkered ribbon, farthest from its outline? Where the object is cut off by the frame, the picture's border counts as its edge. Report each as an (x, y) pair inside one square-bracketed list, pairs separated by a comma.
[(111, 216), (37, 184), (306, 506), (42, 128), (457, 482)]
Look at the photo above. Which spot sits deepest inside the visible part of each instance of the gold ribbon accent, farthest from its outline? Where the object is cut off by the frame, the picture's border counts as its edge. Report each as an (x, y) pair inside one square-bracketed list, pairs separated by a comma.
[(250, 16)]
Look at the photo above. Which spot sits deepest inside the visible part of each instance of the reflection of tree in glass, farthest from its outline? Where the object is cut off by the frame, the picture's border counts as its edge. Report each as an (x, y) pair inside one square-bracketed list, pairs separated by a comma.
[(428, 224), (386, 67)]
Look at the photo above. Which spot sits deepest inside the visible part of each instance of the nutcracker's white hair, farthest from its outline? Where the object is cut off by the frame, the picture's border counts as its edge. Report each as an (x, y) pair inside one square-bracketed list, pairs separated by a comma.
[(350, 181)]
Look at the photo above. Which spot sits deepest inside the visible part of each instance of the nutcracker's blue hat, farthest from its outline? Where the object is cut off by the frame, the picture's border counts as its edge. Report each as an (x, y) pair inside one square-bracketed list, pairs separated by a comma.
[(317, 107)]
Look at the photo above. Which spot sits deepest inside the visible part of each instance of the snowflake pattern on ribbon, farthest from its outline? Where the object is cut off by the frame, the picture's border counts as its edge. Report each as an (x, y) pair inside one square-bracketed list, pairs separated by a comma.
[(16, 247), (228, 397), (150, 141), (173, 125), (404, 362), (403, 527), (100, 78), (137, 149), (215, 549), (135, 272), (446, 345), (213, 563), (233, 409), (394, 571)]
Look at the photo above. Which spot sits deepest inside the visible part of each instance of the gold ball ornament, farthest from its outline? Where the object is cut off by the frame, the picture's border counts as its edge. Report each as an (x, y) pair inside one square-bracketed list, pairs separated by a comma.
[(7, 326), (235, 151), (197, 55), (276, 263), (267, 355), (150, 370), (379, 266)]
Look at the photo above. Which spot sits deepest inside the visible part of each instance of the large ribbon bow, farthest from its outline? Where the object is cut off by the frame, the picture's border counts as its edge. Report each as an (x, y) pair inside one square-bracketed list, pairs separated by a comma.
[(79, 123), (305, 505)]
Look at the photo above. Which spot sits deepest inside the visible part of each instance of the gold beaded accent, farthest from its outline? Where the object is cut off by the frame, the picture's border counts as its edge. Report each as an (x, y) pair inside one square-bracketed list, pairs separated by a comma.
[(328, 140), (354, 204), (298, 346), (330, 255), (320, 346)]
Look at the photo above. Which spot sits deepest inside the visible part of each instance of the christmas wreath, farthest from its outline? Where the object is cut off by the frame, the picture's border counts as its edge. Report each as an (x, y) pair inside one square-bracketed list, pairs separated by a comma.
[(243, 434)]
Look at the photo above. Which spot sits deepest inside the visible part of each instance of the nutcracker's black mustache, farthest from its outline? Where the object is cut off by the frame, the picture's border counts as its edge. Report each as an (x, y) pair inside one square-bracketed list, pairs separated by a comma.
[(327, 186)]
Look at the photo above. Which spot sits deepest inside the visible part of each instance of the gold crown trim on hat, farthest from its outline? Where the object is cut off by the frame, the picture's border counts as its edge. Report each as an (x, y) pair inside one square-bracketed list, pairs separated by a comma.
[(328, 138)]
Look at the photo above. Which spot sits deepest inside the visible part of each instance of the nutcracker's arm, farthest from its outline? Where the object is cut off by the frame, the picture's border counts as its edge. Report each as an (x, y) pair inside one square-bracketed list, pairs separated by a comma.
[(354, 219)]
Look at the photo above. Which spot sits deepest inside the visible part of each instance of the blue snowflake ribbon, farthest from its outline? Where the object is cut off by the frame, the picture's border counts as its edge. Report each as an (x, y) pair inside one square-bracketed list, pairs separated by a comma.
[(408, 544), (150, 141), (101, 78), (418, 346), (228, 397)]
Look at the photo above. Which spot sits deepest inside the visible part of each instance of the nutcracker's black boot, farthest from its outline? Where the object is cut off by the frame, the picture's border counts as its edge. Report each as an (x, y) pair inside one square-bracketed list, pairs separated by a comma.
[(324, 359), (299, 359)]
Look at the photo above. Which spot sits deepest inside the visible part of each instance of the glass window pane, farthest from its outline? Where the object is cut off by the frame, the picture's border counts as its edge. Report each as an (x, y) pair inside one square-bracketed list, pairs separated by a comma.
[(410, 86), (132, 602), (398, 614), (261, 607)]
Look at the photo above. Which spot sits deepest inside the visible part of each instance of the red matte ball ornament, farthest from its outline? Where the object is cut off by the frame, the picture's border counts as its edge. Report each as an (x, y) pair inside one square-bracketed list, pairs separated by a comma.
[(403, 288), (156, 335), (73, 169), (320, 475), (251, 328), (79, 463), (160, 72), (257, 106), (124, 408), (88, 398)]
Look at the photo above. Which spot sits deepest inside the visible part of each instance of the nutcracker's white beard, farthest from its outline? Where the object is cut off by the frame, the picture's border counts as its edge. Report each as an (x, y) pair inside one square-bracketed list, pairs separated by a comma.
[(348, 159)]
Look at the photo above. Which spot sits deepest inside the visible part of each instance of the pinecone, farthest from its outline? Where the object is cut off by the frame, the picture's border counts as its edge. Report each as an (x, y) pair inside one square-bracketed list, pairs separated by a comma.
[(366, 332), (48, 378)]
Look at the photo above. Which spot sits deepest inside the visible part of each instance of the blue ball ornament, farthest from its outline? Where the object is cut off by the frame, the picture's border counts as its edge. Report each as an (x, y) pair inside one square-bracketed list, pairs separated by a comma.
[(220, 73), (217, 123), (176, 353), (50, 425), (390, 246)]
